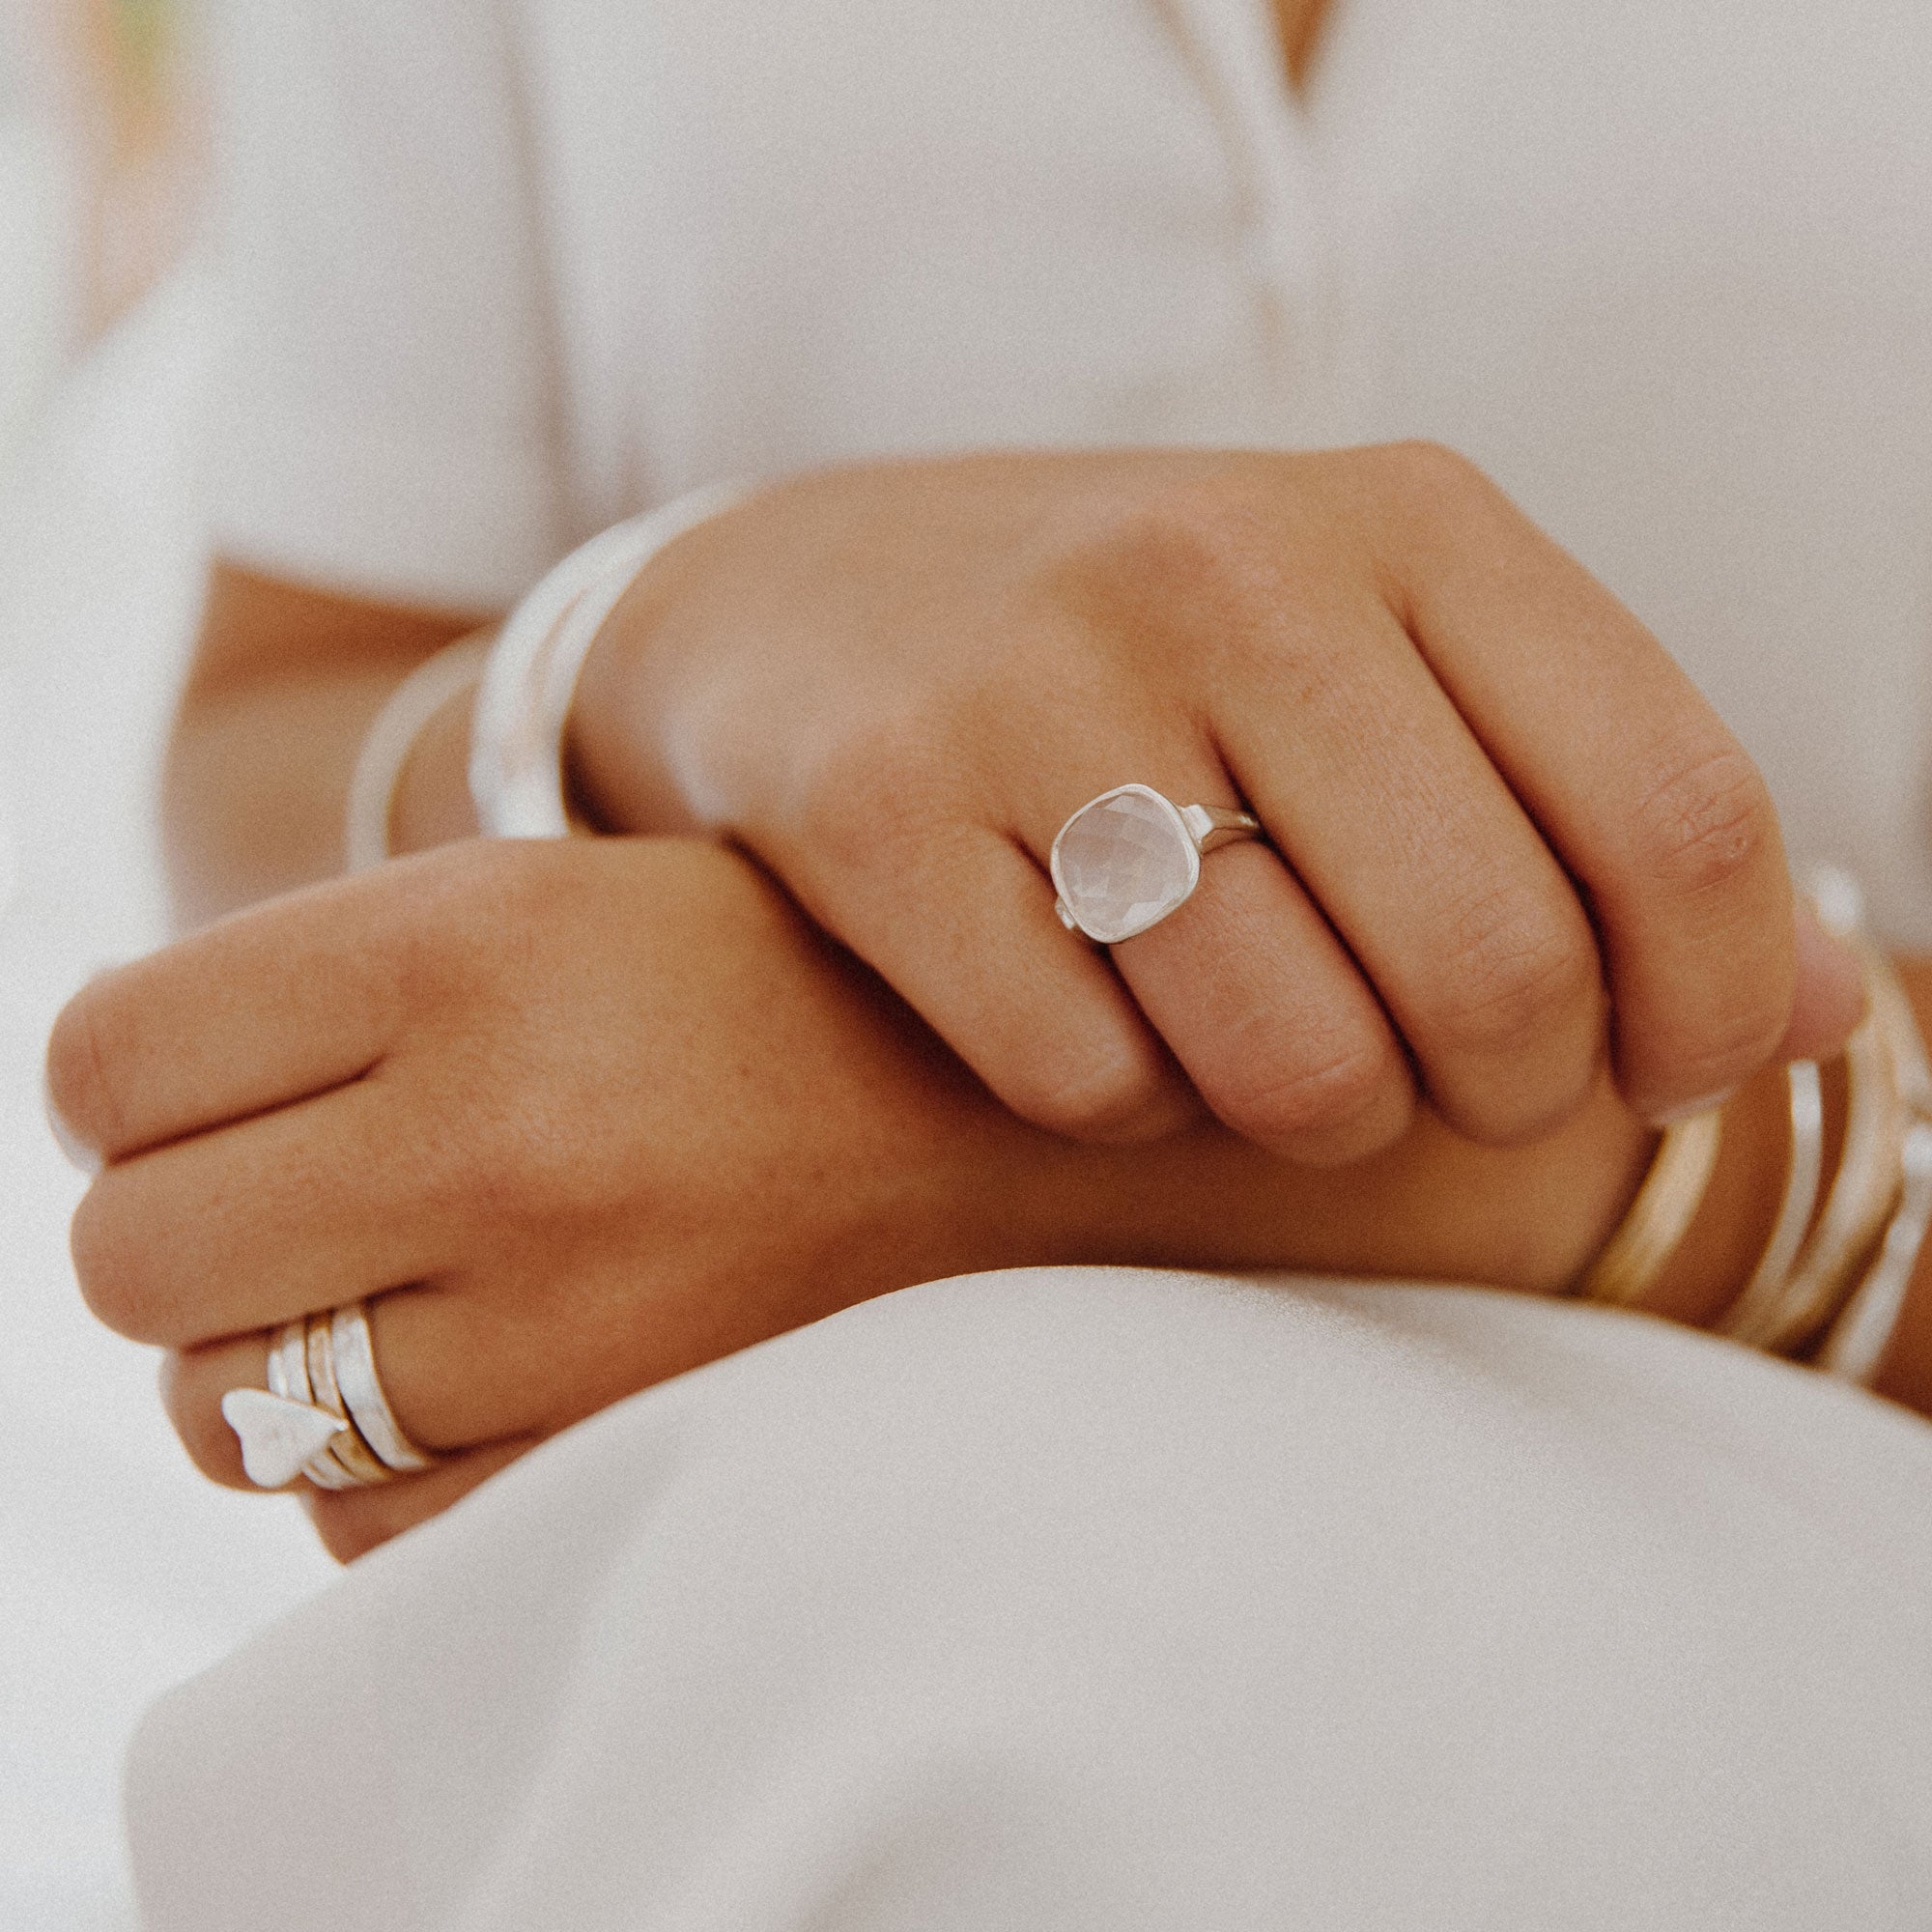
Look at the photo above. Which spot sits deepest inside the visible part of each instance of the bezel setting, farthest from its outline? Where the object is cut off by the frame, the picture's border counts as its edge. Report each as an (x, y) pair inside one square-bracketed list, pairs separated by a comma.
[(1080, 907)]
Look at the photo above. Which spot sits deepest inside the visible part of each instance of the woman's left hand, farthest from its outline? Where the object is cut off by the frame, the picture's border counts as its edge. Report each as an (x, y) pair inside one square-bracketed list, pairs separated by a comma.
[(597, 1112), (575, 1117)]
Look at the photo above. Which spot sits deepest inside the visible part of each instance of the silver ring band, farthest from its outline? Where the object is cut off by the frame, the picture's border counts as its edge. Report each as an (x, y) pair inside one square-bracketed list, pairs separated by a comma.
[(288, 1378), (1129, 858), (323, 1389), (349, 1447), (361, 1390)]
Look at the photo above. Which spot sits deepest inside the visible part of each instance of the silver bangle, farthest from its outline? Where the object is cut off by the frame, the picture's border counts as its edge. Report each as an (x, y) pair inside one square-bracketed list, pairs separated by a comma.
[(1861, 1196), (385, 751), (516, 741), (1855, 1345)]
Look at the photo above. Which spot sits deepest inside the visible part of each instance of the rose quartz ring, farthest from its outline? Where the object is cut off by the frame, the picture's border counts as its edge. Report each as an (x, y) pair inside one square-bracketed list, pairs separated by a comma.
[(1128, 858)]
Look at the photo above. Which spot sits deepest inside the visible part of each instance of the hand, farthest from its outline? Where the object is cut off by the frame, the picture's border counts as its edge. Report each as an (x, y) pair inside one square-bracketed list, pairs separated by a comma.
[(586, 1114), (1506, 828), (598, 1111)]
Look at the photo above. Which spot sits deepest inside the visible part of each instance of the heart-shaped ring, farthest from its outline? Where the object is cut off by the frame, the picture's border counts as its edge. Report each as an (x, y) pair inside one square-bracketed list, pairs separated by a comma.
[(277, 1436)]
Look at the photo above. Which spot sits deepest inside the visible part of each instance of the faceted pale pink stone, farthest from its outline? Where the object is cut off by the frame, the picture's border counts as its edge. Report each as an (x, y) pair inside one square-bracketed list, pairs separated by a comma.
[(1125, 862)]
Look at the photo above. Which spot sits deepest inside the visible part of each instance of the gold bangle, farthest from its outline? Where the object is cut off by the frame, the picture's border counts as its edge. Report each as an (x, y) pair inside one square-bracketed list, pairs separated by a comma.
[(1660, 1215), (1797, 1210), (1788, 1316)]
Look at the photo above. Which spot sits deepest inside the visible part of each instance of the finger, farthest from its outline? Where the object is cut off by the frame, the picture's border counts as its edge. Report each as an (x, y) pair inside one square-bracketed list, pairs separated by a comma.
[(1269, 1015), (349, 1522), (458, 1371), (287, 1000), (305, 1207), (1255, 996), (193, 1382), (352, 1522), (959, 922), (1649, 802), (1395, 819)]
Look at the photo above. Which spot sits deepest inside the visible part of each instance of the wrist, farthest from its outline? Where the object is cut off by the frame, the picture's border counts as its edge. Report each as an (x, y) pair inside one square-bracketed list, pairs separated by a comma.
[(616, 782), (615, 741), (1435, 1207), (431, 803), (1702, 1282)]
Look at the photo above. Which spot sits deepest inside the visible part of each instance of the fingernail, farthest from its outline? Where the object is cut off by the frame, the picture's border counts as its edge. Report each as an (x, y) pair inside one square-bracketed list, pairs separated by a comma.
[(71, 1144), (1826, 962), (1836, 903), (1823, 935), (1671, 1116)]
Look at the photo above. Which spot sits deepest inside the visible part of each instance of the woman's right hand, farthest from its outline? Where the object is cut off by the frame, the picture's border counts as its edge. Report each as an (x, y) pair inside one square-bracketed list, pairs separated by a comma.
[(1506, 831)]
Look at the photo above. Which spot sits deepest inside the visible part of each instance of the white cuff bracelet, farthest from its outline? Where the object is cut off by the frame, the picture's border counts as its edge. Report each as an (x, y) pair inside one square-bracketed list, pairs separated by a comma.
[(516, 744), (392, 737)]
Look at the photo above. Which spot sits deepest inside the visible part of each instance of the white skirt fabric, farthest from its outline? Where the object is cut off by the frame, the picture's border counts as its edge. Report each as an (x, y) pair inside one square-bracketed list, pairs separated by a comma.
[(1094, 1597)]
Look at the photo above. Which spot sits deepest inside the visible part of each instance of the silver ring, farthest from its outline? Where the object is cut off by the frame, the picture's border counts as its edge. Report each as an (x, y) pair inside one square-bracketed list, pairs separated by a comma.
[(282, 1432), (323, 1414), (1127, 859), (288, 1378), (348, 1447), (361, 1390)]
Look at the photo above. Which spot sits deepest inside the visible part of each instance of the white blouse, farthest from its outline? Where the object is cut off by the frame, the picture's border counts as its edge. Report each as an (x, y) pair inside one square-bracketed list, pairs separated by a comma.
[(1082, 1597), (504, 272)]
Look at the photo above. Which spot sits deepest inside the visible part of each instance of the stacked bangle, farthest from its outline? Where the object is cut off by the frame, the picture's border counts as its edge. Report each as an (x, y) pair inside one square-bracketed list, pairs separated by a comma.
[(1786, 1314), (1835, 1274), (392, 737), (1803, 1172), (1661, 1216), (516, 758), (527, 679), (1855, 1345)]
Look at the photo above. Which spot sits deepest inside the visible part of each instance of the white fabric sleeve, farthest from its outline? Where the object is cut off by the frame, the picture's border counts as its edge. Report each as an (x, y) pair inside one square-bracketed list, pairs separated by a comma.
[(382, 416), (1100, 1598)]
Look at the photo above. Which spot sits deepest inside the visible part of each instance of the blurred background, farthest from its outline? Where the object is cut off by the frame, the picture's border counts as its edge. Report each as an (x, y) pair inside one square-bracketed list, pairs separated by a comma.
[(121, 1570)]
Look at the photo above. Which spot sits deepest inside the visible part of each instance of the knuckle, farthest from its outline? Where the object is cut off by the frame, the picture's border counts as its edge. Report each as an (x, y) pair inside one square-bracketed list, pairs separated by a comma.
[(1707, 825), (1087, 1100), (1514, 973), (1274, 1099), (114, 1267), (1202, 552), (1430, 477), (1434, 466)]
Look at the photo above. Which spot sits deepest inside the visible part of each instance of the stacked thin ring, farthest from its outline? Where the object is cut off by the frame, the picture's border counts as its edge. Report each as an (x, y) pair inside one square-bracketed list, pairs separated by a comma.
[(323, 1414)]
